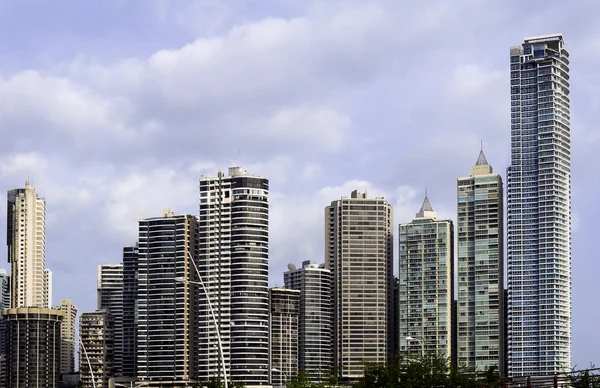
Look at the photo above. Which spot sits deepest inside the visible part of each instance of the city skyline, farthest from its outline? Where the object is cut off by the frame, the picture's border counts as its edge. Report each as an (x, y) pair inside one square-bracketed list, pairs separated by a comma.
[(393, 147)]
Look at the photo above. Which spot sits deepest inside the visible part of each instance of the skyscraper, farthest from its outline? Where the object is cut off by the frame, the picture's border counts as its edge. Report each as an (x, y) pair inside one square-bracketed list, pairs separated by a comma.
[(285, 310), (480, 227), (166, 301), (316, 317), (26, 236), (539, 209), (110, 298), (67, 336), (233, 262), (96, 348), (128, 345), (33, 347), (426, 275), (358, 252)]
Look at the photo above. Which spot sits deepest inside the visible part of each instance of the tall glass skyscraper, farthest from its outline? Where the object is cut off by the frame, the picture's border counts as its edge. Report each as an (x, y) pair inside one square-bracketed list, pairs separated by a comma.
[(233, 260), (480, 227), (539, 209)]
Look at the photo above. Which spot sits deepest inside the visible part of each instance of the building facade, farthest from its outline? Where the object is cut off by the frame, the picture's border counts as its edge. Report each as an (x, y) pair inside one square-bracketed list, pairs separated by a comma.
[(128, 345), (233, 258), (359, 254), (539, 209), (33, 347), (26, 240), (67, 336), (315, 323), (110, 298), (96, 350), (480, 309), (426, 276), (285, 311), (166, 300)]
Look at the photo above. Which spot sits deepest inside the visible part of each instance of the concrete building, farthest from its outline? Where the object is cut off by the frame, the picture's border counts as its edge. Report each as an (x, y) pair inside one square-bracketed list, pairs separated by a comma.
[(426, 274), (110, 298), (539, 209), (128, 345), (96, 350), (4, 304), (359, 253), (33, 347), (26, 236), (480, 229), (285, 311), (166, 307), (67, 336), (315, 324), (234, 265)]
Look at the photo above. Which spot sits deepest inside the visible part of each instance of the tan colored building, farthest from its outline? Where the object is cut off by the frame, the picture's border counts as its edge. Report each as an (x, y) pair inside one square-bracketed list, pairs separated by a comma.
[(480, 227), (359, 253), (67, 336), (26, 229), (96, 349), (426, 284), (33, 347)]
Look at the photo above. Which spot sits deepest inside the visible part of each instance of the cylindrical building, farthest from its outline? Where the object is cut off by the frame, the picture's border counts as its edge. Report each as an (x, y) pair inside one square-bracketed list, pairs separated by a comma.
[(32, 347)]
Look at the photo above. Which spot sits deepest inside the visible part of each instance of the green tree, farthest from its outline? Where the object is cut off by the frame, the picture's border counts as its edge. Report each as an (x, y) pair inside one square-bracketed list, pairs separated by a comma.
[(585, 379)]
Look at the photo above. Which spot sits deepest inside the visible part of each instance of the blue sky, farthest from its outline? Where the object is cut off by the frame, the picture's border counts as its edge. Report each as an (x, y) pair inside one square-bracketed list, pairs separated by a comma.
[(114, 109)]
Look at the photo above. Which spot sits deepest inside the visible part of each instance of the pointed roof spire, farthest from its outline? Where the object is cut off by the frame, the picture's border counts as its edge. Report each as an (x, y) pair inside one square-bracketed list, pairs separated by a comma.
[(481, 160), (426, 204), (426, 209)]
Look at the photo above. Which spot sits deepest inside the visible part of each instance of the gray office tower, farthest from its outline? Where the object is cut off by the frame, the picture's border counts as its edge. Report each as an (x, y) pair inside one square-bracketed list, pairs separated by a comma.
[(480, 227), (359, 253), (233, 257), (166, 299), (130, 294), (539, 209), (316, 317)]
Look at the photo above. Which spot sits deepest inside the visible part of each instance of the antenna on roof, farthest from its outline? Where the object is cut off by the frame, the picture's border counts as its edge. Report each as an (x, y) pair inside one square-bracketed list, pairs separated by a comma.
[(481, 145)]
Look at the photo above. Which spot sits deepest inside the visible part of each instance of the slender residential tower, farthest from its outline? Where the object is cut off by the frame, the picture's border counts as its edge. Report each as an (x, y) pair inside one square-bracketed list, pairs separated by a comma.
[(233, 255), (67, 336), (26, 240), (539, 209), (110, 298), (97, 346), (426, 277), (316, 317), (130, 311), (285, 311), (166, 299), (480, 228), (359, 253)]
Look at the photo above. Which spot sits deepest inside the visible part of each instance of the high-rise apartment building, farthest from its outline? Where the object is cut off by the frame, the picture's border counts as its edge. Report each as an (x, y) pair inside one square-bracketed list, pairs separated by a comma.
[(26, 236), (539, 209), (167, 298), (285, 311), (480, 228), (359, 253), (426, 275), (110, 298), (128, 345), (67, 336), (96, 350), (33, 347), (233, 261), (315, 324)]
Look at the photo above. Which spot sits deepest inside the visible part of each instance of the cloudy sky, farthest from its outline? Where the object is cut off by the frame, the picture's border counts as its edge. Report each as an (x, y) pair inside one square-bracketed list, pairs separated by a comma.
[(114, 108)]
